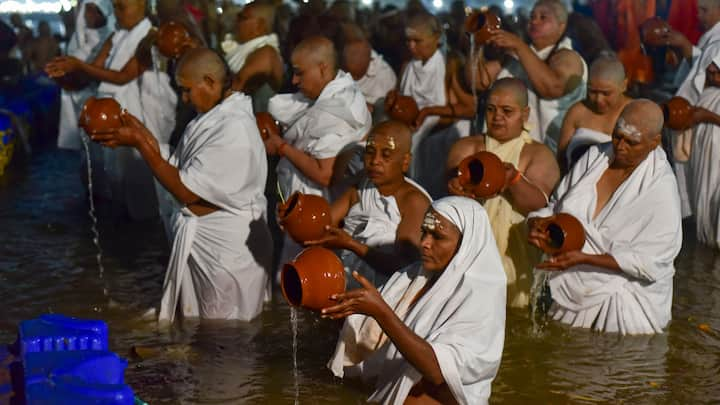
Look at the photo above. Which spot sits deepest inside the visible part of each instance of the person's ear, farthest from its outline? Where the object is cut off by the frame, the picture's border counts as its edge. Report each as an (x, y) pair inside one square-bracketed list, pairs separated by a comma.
[(525, 114)]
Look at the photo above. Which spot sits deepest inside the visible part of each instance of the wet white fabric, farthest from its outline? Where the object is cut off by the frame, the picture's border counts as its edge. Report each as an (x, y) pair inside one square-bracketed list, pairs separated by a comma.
[(581, 140), (425, 83), (236, 53), (547, 115), (462, 316), (704, 170), (640, 227), (377, 82), (219, 263), (84, 44), (373, 221)]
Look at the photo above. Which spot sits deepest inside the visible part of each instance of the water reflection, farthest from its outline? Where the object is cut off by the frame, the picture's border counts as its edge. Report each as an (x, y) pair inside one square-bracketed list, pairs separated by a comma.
[(47, 264)]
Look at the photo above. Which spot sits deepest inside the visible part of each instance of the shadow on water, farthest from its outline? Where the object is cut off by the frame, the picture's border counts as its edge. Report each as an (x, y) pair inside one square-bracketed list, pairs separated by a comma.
[(47, 264)]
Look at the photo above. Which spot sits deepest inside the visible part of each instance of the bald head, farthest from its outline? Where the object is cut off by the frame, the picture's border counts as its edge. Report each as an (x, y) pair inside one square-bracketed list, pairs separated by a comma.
[(643, 117), (608, 68), (319, 50), (395, 133), (356, 58), (425, 22), (264, 11), (514, 86), (558, 8), (198, 63)]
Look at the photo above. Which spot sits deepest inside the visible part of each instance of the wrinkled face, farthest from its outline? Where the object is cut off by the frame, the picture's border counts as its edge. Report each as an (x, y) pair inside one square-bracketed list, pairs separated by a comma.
[(94, 18), (128, 12), (712, 75), (630, 145), (708, 14), (308, 75), (384, 163), (203, 94), (440, 241), (247, 25), (421, 43), (603, 95), (504, 115), (544, 25)]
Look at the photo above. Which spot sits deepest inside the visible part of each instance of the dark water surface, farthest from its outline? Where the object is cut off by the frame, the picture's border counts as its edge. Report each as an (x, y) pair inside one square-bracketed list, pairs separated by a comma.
[(47, 264)]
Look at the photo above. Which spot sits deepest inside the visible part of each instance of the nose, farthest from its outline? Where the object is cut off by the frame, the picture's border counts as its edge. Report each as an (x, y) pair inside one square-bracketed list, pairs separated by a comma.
[(425, 242)]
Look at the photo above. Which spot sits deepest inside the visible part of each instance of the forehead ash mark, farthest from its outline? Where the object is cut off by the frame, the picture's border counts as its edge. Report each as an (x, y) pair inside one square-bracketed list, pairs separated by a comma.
[(431, 222), (628, 129)]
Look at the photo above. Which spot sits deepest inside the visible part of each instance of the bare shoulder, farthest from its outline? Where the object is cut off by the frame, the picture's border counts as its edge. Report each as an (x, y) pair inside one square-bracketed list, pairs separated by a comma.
[(266, 53), (411, 199), (568, 59), (537, 151), (472, 144)]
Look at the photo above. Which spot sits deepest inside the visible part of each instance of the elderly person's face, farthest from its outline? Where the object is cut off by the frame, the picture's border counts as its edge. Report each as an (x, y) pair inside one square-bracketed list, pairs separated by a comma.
[(202, 93), (603, 95), (440, 241), (631, 142), (708, 13), (308, 74), (421, 42), (544, 24), (384, 161), (504, 115)]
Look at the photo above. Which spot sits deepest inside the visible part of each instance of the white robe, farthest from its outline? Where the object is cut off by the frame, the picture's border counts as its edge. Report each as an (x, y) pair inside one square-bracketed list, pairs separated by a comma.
[(462, 316), (547, 115), (236, 53), (219, 263), (373, 221), (581, 140), (425, 83), (640, 227), (376, 83), (84, 44), (704, 170)]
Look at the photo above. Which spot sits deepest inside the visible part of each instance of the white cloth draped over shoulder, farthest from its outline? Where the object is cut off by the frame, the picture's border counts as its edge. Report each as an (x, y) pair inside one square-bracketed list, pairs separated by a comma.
[(84, 44), (582, 139), (377, 82), (373, 221), (547, 115), (704, 170), (219, 263), (425, 83), (640, 227), (462, 316), (236, 53)]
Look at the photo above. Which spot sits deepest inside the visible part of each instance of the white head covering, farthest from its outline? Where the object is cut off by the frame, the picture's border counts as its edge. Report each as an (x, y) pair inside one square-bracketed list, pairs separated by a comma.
[(80, 40)]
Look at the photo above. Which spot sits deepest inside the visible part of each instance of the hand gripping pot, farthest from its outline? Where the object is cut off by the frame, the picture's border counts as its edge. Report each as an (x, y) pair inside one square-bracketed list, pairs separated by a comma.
[(480, 25), (312, 277), (173, 39), (482, 173), (304, 216), (100, 115), (677, 113), (566, 234), (653, 30), (267, 125), (404, 109)]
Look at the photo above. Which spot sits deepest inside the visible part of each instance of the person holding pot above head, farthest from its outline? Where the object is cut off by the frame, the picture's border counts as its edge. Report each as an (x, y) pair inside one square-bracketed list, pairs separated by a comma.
[(625, 196), (423, 80), (222, 250), (382, 213), (592, 120), (554, 73), (435, 332), (327, 114), (530, 174)]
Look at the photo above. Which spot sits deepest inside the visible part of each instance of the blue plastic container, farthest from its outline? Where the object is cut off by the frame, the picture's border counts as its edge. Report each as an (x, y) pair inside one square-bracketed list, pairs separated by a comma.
[(53, 332)]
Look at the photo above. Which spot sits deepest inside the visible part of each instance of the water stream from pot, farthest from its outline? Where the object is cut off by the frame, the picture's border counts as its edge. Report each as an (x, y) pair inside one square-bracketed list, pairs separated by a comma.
[(473, 80), (294, 323), (91, 213)]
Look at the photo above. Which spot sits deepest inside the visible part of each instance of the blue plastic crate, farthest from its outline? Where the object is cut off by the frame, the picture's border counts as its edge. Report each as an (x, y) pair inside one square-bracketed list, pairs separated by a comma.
[(53, 332)]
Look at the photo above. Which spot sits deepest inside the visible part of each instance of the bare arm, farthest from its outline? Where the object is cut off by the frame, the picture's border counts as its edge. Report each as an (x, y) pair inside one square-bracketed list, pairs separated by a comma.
[(263, 65), (702, 115), (482, 71), (569, 127), (318, 170), (340, 207), (559, 76), (539, 179)]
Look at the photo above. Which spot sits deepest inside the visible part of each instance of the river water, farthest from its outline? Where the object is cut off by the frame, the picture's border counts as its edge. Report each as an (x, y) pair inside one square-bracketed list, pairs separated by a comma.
[(48, 264)]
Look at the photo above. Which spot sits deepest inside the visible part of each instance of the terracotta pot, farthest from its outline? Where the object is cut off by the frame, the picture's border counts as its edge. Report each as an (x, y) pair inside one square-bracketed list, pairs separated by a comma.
[(566, 234), (304, 216), (482, 173), (653, 30), (100, 115), (173, 39), (678, 113), (404, 109), (479, 25), (310, 279), (267, 125)]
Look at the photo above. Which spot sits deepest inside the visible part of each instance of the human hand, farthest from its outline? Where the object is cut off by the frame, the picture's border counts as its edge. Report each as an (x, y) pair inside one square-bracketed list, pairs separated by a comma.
[(62, 65), (273, 143), (506, 40), (132, 133), (536, 231), (677, 40), (390, 99), (334, 238), (511, 176), (366, 301), (422, 114), (564, 261)]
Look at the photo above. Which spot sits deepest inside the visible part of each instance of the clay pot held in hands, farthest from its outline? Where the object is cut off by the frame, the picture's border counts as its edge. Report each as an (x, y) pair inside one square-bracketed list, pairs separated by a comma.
[(267, 125), (480, 24), (566, 234), (173, 39), (403, 108), (304, 216), (653, 31), (678, 113), (482, 173), (310, 279), (100, 115)]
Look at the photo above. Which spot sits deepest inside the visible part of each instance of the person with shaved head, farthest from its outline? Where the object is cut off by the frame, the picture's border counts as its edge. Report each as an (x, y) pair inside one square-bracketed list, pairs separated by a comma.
[(373, 75), (625, 195), (592, 120), (222, 249), (531, 174), (254, 54), (328, 114), (381, 214)]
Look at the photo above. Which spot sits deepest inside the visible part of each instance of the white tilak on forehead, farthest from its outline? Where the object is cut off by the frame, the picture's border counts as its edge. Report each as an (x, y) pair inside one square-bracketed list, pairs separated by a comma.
[(628, 129), (430, 221)]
